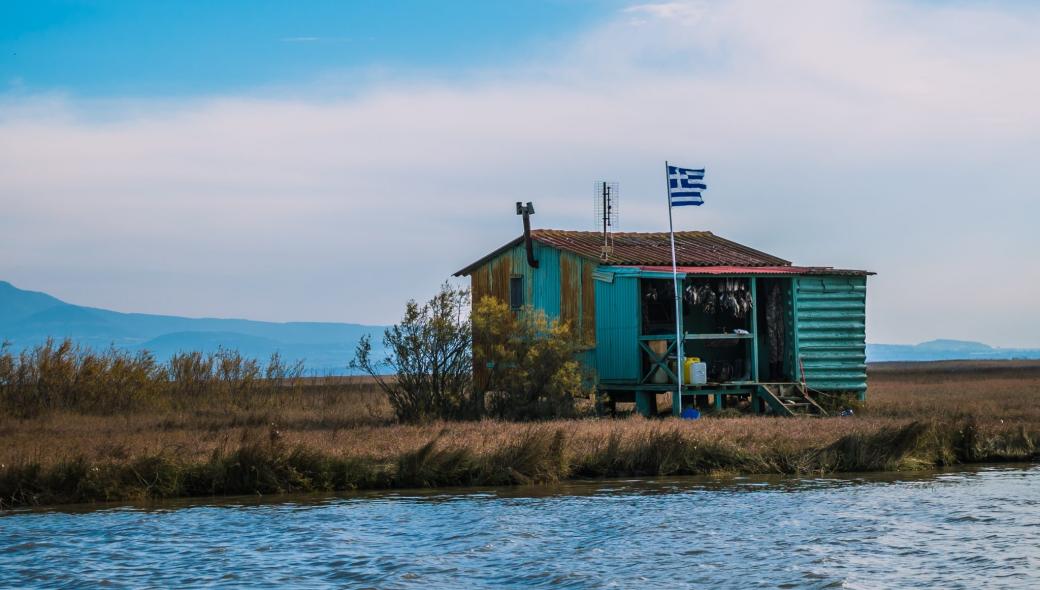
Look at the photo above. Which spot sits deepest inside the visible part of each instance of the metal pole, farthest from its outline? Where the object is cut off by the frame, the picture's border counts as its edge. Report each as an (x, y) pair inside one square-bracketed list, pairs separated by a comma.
[(677, 399)]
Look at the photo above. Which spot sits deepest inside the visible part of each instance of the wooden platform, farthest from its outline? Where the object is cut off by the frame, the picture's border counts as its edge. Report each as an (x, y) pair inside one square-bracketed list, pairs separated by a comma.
[(784, 399)]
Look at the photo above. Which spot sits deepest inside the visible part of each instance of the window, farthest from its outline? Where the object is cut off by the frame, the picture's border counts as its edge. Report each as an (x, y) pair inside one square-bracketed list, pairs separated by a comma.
[(516, 292)]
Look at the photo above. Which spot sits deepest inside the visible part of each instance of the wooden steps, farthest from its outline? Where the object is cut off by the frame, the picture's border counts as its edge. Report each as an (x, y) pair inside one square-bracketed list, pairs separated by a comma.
[(790, 399)]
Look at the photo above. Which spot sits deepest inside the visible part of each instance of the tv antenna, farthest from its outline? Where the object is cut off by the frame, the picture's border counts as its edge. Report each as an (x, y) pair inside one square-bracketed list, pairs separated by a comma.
[(606, 198)]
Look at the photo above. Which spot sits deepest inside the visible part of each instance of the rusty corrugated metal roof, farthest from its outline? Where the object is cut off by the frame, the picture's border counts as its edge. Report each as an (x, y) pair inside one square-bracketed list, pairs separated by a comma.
[(692, 248)]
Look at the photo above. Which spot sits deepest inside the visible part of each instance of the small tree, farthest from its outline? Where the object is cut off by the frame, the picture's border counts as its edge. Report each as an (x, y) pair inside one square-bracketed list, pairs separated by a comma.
[(429, 352), (531, 360)]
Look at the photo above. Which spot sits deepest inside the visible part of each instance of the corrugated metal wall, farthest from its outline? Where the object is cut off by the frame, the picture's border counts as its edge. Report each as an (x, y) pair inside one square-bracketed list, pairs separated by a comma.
[(561, 286), (617, 326), (544, 289), (541, 285), (570, 284), (830, 331), (588, 303), (577, 300)]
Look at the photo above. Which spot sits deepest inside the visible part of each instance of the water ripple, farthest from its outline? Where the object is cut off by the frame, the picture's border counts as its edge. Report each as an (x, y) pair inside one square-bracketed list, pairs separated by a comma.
[(953, 530)]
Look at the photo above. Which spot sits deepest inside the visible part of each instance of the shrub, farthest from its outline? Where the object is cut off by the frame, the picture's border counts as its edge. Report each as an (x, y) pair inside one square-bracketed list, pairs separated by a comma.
[(63, 376), (190, 374), (429, 354), (533, 370)]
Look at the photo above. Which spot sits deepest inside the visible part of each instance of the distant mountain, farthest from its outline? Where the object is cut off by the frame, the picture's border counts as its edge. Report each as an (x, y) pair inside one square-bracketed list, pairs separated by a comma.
[(16, 303), (946, 350), (964, 346), (28, 318)]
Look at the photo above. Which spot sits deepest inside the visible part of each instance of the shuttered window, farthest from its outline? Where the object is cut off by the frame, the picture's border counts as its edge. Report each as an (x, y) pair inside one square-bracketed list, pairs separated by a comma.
[(516, 292)]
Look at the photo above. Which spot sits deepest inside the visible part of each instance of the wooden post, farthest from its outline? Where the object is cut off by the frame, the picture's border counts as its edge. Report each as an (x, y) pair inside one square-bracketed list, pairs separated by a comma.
[(796, 368), (754, 329)]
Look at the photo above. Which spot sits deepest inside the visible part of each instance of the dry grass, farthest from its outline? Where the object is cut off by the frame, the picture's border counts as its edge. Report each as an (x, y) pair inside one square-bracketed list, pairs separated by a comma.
[(992, 391), (917, 415)]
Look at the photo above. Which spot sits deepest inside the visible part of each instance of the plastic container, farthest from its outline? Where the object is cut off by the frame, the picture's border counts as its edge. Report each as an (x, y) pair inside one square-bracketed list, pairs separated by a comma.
[(690, 414), (694, 371)]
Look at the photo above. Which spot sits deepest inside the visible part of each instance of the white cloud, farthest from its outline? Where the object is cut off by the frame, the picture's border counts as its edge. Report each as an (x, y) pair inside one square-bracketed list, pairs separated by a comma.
[(685, 12), (891, 136)]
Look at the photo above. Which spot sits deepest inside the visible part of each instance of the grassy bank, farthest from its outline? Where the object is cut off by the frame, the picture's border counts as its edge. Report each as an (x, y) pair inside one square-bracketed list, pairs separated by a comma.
[(338, 434)]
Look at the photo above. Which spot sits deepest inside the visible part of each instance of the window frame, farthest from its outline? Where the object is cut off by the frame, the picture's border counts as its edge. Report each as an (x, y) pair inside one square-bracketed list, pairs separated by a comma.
[(515, 292)]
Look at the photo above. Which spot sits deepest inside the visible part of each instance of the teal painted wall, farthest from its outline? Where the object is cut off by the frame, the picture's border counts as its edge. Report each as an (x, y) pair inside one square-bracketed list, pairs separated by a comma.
[(617, 327), (830, 331), (827, 315), (561, 286), (541, 285), (545, 286)]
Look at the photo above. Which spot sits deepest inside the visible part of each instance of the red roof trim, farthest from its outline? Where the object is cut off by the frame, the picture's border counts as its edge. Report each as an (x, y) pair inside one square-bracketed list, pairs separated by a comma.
[(754, 270)]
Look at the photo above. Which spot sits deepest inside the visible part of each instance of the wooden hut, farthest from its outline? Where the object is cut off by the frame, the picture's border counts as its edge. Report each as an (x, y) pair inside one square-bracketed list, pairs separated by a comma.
[(772, 336)]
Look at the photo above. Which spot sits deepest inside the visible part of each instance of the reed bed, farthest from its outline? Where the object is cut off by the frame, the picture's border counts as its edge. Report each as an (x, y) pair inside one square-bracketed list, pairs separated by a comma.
[(338, 434)]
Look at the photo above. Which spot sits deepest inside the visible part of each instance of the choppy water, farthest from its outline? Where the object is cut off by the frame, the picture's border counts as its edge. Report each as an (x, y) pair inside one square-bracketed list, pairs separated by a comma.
[(968, 529)]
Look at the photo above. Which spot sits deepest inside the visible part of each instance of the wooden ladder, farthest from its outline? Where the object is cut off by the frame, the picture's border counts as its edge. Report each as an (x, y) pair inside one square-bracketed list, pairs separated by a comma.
[(790, 399)]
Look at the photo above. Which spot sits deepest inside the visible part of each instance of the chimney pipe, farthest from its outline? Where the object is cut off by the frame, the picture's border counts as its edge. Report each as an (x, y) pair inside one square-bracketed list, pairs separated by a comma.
[(527, 211)]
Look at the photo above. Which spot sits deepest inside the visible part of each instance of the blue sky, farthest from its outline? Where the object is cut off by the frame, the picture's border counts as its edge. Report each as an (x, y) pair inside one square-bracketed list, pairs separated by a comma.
[(121, 48), (328, 161)]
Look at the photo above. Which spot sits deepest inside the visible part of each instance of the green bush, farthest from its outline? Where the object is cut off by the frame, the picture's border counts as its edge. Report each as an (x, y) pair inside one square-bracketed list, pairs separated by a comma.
[(429, 355), (533, 372)]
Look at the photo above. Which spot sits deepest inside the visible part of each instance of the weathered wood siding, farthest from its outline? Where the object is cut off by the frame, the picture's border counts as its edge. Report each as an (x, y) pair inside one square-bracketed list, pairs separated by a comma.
[(570, 286), (561, 286), (588, 303)]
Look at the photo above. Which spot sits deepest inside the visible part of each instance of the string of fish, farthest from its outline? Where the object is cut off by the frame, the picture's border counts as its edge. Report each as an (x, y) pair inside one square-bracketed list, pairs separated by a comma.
[(729, 295)]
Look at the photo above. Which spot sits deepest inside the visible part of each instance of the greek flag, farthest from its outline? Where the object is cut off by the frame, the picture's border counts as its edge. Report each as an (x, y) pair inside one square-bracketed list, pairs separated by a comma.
[(685, 186)]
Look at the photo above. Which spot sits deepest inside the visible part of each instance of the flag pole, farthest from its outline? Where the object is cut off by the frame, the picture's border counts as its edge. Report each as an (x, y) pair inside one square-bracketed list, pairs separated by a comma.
[(679, 360)]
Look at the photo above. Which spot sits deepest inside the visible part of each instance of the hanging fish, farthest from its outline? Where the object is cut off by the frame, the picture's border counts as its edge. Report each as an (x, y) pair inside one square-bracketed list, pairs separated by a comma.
[(690, 294)]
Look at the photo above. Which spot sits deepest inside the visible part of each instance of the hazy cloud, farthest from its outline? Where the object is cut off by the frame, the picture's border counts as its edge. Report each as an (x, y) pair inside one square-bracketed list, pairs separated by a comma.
[(897, 137)]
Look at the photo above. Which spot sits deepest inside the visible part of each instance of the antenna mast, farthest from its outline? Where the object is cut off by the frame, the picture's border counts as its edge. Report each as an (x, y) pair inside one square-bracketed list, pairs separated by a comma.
[(606, 198)]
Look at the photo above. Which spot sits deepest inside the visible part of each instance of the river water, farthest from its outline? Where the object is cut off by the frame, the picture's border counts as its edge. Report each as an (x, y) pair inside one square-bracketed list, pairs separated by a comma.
[(965, 529)]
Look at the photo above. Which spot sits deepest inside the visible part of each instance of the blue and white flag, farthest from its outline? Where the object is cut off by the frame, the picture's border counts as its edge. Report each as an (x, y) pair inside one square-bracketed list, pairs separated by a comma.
[(685, 186)]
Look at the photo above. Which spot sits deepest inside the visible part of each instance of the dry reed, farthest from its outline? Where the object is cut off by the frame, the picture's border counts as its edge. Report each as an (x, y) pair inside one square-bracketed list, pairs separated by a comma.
[(338, 434)]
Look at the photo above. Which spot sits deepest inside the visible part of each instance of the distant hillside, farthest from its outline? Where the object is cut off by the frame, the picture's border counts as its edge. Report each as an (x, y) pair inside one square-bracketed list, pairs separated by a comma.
[(28, 318), (945, 350)]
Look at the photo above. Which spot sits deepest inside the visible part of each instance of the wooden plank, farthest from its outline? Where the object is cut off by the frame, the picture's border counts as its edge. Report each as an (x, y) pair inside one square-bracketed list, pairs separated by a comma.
[(501, 271), (797, 368), (659, 362), (719, 336), (766, 393), (570, 283), (588, 303), (480, 283), (754, 330)]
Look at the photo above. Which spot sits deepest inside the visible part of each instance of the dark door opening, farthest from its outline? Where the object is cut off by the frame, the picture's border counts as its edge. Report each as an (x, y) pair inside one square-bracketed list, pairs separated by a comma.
[(773, 329)]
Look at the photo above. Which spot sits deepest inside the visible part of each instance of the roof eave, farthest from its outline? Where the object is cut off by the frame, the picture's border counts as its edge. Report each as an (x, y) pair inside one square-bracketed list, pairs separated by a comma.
[(475, 265), (549, 243), (749, 270)]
